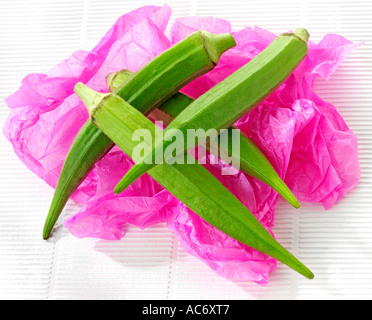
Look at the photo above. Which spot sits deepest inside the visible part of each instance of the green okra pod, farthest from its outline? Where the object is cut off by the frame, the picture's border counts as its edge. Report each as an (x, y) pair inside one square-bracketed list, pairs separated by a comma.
[(194, 185), (146, 89), (252, 160), (225, 103)]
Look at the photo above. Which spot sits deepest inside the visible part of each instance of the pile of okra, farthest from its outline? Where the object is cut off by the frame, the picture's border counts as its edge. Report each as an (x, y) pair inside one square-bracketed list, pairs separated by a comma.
[(115, 117)]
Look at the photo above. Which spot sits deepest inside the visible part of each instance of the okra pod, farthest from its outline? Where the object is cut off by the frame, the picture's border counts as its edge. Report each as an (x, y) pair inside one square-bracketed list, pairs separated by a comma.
[(145, 90), (252, 160), (194, 185), (225, 103)]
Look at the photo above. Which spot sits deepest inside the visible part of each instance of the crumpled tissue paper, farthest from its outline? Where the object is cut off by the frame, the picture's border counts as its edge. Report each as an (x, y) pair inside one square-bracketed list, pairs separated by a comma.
[(304, 137)]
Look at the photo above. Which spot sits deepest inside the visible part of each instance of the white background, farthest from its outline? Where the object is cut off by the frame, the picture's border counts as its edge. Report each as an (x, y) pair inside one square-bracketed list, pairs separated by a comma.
[(150, 264)]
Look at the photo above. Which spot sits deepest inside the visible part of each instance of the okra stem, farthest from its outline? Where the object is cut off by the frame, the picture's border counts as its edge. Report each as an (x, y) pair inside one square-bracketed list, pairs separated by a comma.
[(251, 159), (192, 184)]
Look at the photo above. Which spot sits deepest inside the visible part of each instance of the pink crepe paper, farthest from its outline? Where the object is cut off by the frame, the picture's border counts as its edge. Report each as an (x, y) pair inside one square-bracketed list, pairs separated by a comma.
[(303, 136)]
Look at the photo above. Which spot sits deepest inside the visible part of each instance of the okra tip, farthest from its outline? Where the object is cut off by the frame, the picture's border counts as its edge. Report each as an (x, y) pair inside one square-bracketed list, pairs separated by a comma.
[(294, 202), (303, 34), (308, 274), (51, 220), (110, 78), (217, 44), (46, 234)]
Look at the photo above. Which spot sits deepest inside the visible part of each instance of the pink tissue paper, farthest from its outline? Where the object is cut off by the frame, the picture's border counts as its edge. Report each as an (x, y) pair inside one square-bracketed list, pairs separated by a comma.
[(304, 137)]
